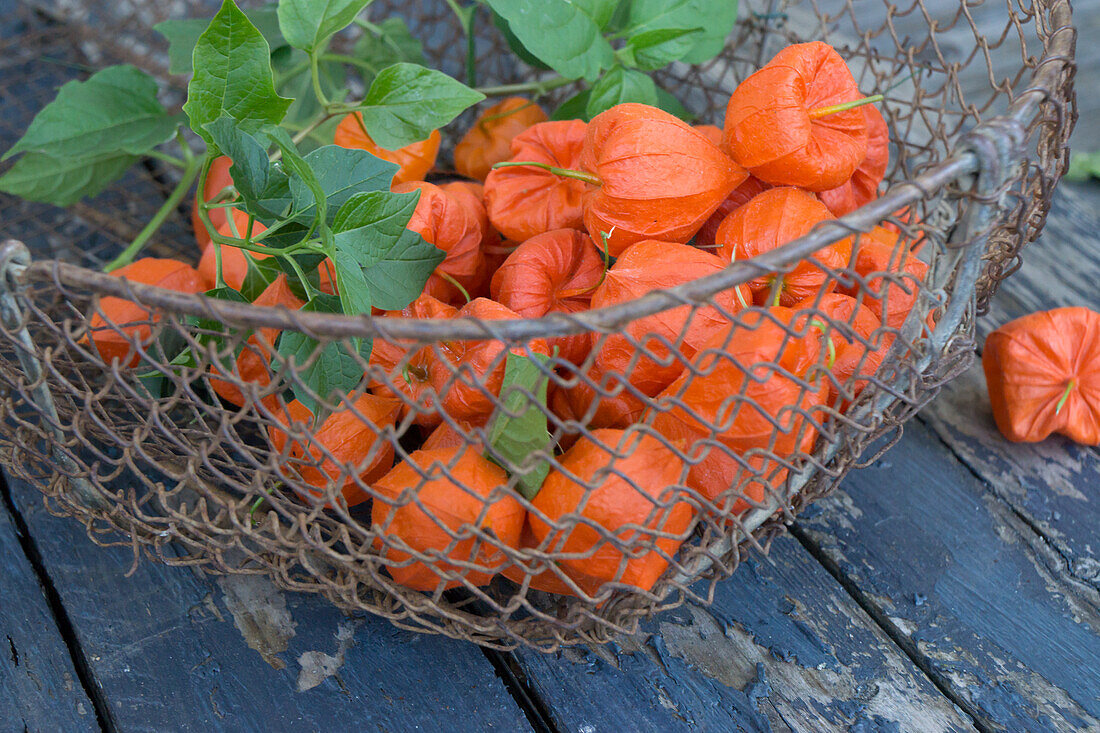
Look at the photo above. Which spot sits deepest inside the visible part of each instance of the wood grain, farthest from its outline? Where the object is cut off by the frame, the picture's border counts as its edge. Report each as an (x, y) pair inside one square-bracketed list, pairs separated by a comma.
[(173, 649), (39, 687), (782, 648), (966, 585), (1054, 485)]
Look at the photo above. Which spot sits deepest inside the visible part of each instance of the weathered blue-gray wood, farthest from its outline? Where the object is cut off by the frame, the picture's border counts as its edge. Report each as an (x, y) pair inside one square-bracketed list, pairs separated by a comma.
[(1054, 485), (39, 687), (967, 586), (173, 649), (782, 648)]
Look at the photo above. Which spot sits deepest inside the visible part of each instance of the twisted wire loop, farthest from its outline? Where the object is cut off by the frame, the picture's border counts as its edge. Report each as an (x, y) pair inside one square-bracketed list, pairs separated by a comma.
[(176, 432)]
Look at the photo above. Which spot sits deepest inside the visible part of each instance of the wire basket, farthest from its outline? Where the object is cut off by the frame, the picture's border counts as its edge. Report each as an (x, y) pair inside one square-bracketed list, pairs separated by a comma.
[(199, 465)]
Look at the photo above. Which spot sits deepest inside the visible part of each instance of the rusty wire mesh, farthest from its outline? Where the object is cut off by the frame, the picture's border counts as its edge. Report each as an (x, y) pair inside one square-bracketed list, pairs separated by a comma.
[(691, 430)]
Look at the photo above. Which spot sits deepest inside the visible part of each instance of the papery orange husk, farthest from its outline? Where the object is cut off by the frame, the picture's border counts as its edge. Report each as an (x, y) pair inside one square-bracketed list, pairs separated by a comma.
[(447, 222), (659, 178), (108, 328), (349, 443), (891, 277), (413, 161), (852, 324), (746, 192), (774, 218), (743, 398), (408, 366), (254, 362), (672, 335), (862, 187), (217, 178), (464, 491), (769, 128), (524, 201), (489, 141), (634, 501), (469, 374), (555, 272), (1043, 376)]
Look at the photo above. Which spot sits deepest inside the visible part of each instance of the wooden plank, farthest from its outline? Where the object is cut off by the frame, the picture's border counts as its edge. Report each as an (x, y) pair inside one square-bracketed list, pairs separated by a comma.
[(170, 649), (38, 683), (967, 585), (782, 648), (1054, 485)]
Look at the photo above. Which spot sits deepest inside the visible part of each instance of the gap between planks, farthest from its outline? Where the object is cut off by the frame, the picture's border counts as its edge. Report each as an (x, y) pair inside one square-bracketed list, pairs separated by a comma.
[(57, 610)]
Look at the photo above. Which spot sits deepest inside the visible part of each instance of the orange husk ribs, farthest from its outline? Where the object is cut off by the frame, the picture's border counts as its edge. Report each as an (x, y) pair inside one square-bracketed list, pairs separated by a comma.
[(524, 201), (1043, 376), (694, 413), (489, 141), (774, 124)]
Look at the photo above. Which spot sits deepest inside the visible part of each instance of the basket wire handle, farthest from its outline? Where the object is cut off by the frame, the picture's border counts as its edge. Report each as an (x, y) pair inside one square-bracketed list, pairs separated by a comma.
[(14, 260)]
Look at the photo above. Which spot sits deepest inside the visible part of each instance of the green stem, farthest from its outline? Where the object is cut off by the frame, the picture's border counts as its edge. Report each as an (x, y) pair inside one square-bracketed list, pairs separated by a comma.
[(821, 326), (471, 48), (566, 172), (351, 61), (456, 283), (844, 106), (305, 131), (170, 159), (309, 291), (605, 251), (315, 76), (192, 166), (540, 87), (1065, 396)]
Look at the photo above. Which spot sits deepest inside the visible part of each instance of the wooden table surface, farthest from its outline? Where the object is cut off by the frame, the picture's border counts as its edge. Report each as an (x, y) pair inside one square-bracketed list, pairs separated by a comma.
[(953, 585)]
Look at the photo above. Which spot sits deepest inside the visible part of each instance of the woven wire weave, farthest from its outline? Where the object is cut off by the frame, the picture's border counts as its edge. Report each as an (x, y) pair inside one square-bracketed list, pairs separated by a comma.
[(147, 455)]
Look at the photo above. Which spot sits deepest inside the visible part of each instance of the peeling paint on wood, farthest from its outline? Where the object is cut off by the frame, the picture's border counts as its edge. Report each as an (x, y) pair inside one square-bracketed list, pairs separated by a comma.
[(782, 648), (996, 620), (165, 647), (260, 613)]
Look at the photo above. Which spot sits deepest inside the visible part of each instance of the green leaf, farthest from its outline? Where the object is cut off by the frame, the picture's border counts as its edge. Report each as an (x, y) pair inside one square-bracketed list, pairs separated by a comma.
[(232, 75), (1083, 166), (264, 188), (63, 181), (518, 433), (515, 44), (620, 85), (394, 45), (302, 179), (341, 173), (406, 102), (307, 24), (354, 289), (719, 17), (573, 108), (560, 33), (114, 111), (182, 35), (334, 370), (672, 105), (655, 49), (333, 78), (395, 262), (600, 11), (259, 275)]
